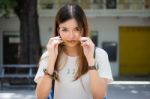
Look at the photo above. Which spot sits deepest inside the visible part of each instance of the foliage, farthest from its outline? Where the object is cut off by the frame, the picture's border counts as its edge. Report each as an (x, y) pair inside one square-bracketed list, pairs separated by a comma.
[(7, 7)]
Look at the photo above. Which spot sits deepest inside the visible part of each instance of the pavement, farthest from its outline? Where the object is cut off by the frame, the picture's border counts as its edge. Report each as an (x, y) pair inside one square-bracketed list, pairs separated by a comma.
[(129, 91), (17, 94), (116, 90)]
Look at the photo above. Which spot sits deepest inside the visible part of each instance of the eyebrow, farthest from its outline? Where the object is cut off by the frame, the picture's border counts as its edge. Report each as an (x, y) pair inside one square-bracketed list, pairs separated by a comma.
[(62, 27), (67, 27)]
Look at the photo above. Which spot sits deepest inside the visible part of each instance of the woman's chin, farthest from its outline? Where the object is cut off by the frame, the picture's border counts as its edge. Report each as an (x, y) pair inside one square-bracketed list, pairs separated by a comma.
[(71, 45)]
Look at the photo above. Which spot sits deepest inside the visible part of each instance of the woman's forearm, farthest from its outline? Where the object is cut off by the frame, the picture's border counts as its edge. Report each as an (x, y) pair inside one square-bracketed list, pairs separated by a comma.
[(45, 83), (43, 87), (98, 85)]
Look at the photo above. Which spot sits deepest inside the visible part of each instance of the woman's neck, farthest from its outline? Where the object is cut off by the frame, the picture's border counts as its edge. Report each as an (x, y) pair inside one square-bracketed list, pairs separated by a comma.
[(71, 51)]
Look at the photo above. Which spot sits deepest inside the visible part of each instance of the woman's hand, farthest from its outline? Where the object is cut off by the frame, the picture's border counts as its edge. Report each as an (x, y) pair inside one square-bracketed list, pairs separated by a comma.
[(52, 48), (88, 48)]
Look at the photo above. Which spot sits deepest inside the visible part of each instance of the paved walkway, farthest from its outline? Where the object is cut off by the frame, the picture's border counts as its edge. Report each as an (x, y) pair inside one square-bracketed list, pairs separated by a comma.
[(129, 90), (17, 94), (117, 90)]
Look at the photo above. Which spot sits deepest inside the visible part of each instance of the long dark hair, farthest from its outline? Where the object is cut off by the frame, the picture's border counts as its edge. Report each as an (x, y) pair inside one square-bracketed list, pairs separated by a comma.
[(69, 11)]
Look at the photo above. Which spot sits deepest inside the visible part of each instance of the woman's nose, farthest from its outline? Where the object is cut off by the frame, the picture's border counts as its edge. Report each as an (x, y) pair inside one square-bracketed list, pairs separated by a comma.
[(71, 35)]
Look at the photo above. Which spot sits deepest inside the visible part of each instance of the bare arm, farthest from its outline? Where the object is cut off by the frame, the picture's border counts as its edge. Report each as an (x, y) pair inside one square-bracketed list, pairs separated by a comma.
[(43, 87), (98, 85), (44, 83)]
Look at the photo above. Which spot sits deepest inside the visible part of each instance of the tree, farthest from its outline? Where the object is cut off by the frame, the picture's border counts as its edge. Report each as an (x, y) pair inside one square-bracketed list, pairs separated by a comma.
[(26, 11)]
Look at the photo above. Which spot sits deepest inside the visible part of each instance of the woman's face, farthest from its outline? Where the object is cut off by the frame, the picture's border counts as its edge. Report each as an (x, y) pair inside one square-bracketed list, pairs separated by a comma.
[(70, 32)]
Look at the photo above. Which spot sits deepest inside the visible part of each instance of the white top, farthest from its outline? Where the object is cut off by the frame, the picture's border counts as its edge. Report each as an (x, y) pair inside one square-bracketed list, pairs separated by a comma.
[(79, 89)]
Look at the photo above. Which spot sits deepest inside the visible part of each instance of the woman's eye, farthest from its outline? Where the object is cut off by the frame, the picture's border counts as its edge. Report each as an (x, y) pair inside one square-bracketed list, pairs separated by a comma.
[(77, 29), (64, 30)]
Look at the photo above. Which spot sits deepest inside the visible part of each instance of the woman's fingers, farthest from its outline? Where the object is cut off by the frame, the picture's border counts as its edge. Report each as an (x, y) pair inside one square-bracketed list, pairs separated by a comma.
[(54, 41), (85, 41), (54, 38)]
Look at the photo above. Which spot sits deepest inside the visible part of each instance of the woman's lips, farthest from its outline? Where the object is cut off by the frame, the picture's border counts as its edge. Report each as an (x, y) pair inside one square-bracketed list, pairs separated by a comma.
[(71, 41)]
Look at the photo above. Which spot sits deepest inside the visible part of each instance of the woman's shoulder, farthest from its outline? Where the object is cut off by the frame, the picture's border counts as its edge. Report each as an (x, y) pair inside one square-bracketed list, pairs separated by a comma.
[(100, 51), (44, 55)]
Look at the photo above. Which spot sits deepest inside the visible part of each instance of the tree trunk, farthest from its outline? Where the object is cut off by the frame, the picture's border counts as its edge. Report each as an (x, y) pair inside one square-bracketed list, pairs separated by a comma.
[(30, 47)]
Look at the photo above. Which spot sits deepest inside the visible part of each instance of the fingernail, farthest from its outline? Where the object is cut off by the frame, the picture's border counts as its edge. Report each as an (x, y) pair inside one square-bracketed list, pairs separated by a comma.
[(83, 40)]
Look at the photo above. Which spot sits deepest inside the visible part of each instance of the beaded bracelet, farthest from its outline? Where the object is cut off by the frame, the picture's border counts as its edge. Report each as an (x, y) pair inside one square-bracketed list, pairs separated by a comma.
[(53, 76)]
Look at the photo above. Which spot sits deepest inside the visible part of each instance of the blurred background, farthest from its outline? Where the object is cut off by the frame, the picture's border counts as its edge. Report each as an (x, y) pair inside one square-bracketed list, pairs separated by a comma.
[(121, 27)]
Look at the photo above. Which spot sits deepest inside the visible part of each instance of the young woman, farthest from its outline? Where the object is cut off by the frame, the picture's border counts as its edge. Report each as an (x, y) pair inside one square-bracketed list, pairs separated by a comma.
[(80, 70)]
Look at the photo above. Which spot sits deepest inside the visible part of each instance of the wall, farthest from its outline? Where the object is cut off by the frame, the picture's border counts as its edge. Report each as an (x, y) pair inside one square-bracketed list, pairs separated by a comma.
[(108, 28)]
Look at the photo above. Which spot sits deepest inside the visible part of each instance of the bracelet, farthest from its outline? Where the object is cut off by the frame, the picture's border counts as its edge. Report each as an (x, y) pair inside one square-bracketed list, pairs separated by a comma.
[(53, 76), (92, 67)]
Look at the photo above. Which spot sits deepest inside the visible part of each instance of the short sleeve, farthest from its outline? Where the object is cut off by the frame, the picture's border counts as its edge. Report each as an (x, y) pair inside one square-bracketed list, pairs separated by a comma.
[(43, 63), (103, 64)]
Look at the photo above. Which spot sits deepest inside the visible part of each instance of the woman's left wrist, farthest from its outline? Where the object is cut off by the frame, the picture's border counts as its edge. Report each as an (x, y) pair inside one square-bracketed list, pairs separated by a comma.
[(91, 62)]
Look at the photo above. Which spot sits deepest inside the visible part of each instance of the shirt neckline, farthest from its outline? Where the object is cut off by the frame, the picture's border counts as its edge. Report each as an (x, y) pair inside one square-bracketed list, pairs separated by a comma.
[(71, 57)]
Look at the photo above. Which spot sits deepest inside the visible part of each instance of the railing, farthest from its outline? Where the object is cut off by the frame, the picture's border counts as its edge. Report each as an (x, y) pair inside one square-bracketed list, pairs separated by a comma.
[(13, 71)]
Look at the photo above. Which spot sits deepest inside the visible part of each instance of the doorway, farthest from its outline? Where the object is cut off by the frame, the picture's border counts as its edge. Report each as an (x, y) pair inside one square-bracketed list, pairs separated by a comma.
[(134, 50)]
